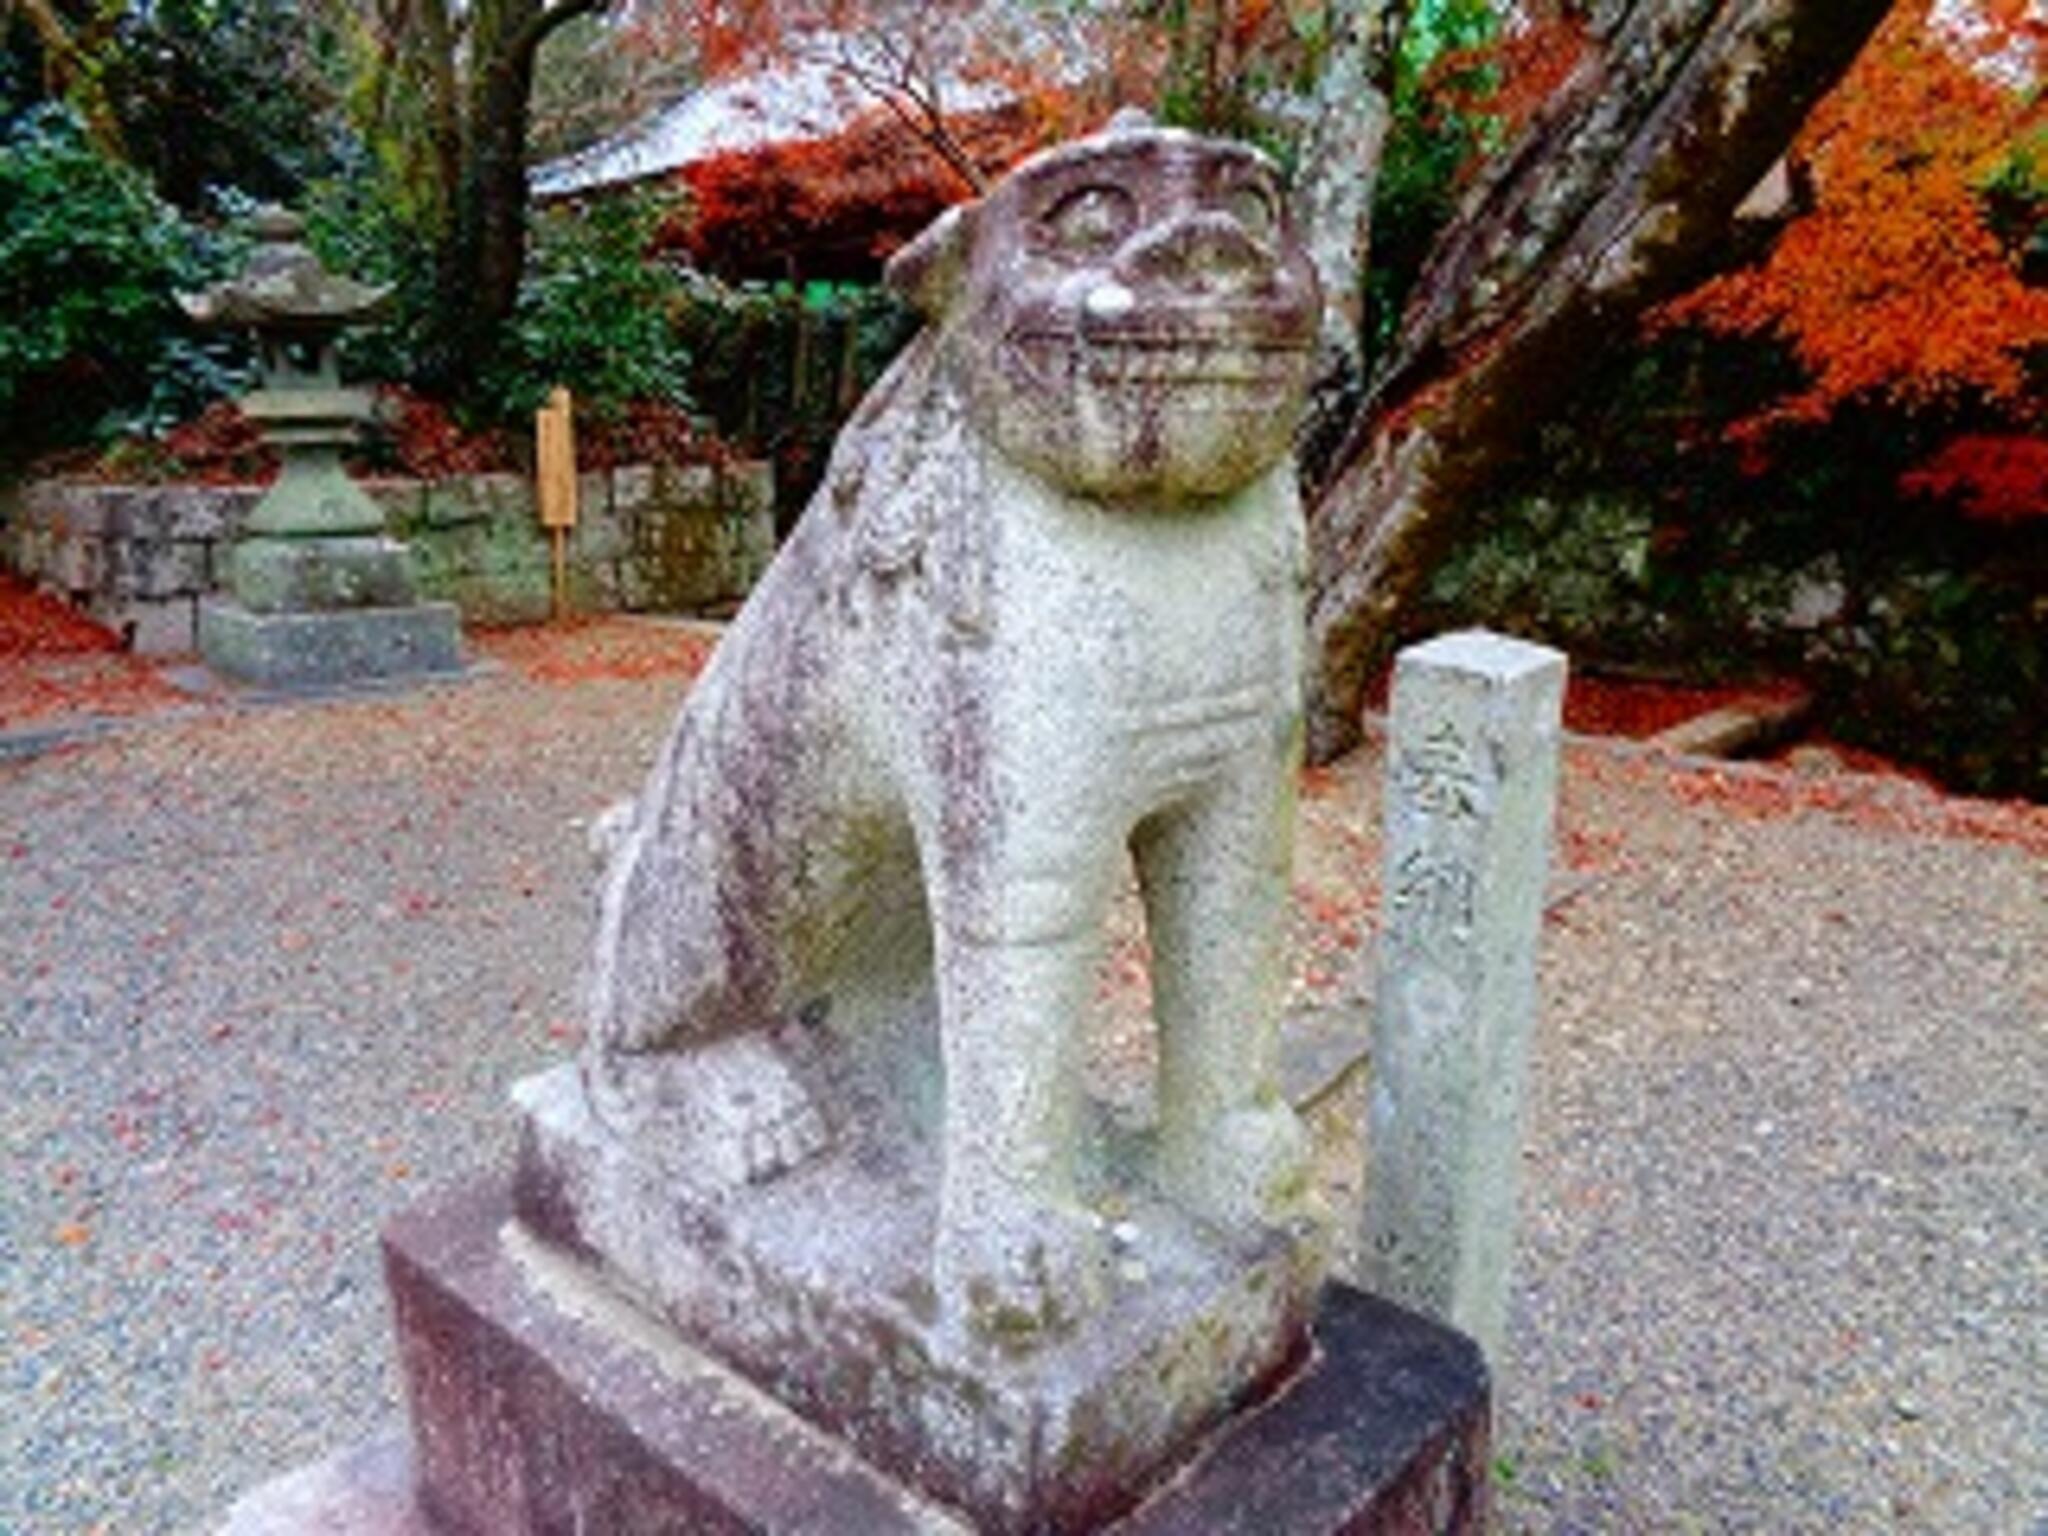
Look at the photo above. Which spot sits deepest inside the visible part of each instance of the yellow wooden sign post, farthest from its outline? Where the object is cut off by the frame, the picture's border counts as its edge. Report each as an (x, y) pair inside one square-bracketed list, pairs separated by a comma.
[(554, 435)]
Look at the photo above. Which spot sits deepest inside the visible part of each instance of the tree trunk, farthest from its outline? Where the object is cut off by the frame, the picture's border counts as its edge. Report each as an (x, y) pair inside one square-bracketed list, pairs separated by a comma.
[(494, 191), (1616, 197), (1340, 161), (483, 253)]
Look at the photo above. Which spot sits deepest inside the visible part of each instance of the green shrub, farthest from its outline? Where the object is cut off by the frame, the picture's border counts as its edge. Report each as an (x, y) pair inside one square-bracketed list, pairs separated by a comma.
[(1577, 572), (1636, 532), (1947, 668), (780, 365), (91, 338), (595, 313)]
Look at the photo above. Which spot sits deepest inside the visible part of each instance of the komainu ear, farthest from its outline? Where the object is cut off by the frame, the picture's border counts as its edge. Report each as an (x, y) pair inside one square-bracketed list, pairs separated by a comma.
[(928, 272)]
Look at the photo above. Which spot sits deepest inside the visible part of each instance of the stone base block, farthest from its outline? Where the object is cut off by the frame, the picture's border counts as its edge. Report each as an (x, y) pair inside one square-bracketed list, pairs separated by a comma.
[(274, 576), (816, 1284), (320, 649), (362, 1490), (542, 1401)]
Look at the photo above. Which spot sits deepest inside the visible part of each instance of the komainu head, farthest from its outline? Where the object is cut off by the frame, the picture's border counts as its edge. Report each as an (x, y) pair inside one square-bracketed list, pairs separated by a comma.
[(1130, 316)]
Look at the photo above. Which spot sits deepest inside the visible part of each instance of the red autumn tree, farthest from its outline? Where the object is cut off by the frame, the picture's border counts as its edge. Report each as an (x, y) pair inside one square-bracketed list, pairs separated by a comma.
[(1894, 285), (922, 64), (842, 201)]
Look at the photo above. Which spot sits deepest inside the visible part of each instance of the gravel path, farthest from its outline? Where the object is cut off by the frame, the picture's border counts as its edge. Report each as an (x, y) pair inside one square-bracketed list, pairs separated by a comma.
[(1784, 1263)]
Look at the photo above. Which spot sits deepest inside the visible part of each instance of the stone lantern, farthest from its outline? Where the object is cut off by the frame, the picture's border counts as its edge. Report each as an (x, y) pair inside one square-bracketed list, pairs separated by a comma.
[(317, 592)]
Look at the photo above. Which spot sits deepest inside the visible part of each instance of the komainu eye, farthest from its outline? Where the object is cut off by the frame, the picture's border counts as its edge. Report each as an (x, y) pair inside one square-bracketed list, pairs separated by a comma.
[(1253, 207), (1092, 219)]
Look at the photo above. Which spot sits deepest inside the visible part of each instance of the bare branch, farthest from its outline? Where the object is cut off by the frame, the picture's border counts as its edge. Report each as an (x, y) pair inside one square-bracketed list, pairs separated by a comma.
[(917, 106)]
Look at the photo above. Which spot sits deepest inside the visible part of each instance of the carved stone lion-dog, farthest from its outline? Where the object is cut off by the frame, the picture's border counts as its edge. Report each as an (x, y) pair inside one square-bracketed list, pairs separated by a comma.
[(1044, 608)]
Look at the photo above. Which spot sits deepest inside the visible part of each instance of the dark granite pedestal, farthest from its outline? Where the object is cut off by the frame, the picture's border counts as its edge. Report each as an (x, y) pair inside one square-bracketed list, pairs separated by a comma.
[(543, 1402)]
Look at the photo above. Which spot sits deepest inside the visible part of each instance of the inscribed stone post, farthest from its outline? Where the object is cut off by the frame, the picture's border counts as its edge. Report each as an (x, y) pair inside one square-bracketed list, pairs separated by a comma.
[(1471, 786)]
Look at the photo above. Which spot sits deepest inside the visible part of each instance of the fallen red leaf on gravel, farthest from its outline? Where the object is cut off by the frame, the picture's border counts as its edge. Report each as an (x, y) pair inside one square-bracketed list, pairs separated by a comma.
[(597, 648), (34, 624)]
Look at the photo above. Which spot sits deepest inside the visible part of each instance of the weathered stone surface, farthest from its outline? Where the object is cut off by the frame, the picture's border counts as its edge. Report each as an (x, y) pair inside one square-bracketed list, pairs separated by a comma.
[(321, 649), (291, 575), (817, 1286), (283, 292), (312, 496), (1044, 607), (166, 627), (194, 512), (1740, 729), (81, 566), (477, 499), (699, 537), (539, 1395), (363, 1490), (1471, 789), (159, 568), (138, 556), (542, 1402), (1385, 1432)]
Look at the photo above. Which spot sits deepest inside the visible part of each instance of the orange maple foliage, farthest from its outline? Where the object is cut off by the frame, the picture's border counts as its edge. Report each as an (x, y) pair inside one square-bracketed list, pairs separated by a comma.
[(1535, 57), (34, 623), (860, 193), (1894, 285), (1510, 78)]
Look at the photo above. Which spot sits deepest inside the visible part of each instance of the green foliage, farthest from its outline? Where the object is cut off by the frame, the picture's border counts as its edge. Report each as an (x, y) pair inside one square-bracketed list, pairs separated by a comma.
[(781, 366), (595, 313), (91, 338), (355, 223), (214, 93), (2016, 204), (196, 94), (1432, 143), (1577, 572), (1947, 667), (1637, 533)]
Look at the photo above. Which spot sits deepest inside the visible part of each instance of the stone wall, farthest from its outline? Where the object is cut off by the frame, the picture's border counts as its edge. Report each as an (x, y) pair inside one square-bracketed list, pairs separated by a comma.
[(651, 538)]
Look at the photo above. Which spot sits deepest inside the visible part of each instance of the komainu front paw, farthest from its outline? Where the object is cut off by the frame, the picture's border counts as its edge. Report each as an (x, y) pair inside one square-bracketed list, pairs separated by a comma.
[(726, 1113), (1019, 1273), (784, 1133), (1246, 1168)]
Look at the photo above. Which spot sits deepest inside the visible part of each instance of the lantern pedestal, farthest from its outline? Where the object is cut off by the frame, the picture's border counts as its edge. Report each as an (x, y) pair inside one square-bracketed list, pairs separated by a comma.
[(324, 648)]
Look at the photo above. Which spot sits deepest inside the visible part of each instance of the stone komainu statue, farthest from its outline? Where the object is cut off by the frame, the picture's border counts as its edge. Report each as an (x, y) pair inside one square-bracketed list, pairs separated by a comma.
[(1045, 606)]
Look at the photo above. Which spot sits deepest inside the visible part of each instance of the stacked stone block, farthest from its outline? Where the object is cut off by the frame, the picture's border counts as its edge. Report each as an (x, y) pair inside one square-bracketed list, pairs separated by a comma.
[(653, 538)]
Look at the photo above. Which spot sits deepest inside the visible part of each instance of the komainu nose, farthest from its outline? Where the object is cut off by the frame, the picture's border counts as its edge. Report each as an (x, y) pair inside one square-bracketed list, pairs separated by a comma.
[(1205, 252)]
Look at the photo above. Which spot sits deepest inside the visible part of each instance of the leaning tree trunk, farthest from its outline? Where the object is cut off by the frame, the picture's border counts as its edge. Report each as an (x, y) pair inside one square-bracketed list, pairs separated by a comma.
[(1616, 197)]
